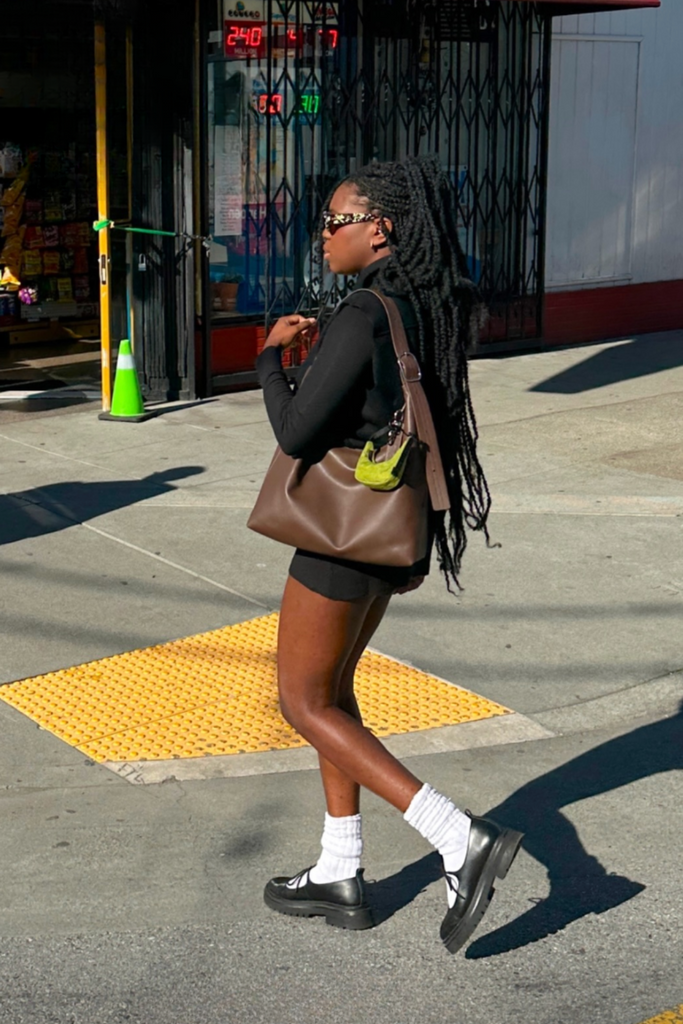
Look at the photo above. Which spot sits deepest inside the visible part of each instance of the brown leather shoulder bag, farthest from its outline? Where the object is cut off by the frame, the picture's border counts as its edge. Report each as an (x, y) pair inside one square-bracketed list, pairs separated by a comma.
[(322, 507)]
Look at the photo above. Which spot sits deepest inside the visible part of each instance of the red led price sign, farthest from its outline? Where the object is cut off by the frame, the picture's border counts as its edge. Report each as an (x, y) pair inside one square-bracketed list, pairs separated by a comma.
[(298, 38), (330, 38), (270, 104), (246, 39)]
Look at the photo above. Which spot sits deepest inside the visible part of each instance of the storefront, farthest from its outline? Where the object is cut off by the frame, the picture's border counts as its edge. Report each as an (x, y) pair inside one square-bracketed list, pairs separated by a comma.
[(48, 261), (300, 93), (223, 125), (95, 115)]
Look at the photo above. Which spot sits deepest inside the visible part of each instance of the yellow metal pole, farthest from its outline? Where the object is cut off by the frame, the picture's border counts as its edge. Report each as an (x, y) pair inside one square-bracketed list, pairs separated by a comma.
[(103, 209)]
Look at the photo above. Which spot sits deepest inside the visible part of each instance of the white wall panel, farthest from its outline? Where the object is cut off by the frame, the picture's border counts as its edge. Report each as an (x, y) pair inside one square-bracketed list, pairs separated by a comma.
[(594, 92), (614, 23), (627, 208)]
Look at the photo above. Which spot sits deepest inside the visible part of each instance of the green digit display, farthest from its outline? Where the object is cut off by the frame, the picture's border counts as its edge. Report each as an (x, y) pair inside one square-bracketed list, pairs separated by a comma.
[(309, 103)]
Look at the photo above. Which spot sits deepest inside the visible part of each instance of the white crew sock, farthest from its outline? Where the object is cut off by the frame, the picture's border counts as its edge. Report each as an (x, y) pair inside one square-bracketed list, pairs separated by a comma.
[(342, 845), (440, 822)]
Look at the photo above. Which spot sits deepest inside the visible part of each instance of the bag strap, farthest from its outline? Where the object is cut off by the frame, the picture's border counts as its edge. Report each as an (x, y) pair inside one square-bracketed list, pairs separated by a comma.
[(411, 376)]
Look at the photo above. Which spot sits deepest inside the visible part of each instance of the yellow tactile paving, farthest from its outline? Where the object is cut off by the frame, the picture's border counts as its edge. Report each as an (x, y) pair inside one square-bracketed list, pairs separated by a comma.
[(668, 1017), (216, 693)]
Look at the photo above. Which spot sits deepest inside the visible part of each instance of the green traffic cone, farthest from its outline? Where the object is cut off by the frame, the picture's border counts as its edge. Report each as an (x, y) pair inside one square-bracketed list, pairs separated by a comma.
[(126, 403)]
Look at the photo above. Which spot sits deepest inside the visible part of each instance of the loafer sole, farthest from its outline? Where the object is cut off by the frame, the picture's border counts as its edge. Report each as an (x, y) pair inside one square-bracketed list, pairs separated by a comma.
[(352, 918), (499, 861)]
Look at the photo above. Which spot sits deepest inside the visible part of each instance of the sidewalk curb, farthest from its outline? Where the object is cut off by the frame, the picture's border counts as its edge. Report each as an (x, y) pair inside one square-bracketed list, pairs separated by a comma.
[(655, 698), (506, 729)]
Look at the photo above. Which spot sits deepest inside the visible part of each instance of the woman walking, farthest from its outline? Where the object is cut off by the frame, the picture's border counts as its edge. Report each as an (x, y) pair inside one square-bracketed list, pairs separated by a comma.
[(394, 225)]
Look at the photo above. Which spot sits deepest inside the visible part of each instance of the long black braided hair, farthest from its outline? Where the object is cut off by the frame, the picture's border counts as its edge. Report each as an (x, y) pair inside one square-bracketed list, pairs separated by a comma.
[(428, 265)]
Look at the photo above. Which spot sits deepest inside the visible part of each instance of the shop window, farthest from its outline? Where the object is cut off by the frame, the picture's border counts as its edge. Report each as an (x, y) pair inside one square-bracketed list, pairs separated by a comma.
[(48, 265), (271, 153), (301, 93)]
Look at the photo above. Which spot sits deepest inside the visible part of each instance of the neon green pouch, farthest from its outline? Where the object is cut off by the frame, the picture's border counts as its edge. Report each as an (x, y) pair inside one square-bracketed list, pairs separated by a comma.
[(386, 475)]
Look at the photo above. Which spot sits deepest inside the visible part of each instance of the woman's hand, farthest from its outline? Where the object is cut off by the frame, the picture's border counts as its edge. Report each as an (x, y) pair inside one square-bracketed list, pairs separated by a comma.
[(416, 582), (288, 330)]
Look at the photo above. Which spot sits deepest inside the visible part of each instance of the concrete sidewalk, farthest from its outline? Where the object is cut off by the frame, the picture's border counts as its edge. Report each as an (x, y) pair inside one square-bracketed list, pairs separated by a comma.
[(118, 536)]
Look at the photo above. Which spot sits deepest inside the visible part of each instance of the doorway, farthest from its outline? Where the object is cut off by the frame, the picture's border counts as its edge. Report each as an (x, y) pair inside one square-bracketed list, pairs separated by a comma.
[(49, 310)]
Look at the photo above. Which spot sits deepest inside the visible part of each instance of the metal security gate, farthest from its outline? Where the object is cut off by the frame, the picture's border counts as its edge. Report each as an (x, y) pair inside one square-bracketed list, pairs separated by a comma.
[(469, 82), (300, 93)]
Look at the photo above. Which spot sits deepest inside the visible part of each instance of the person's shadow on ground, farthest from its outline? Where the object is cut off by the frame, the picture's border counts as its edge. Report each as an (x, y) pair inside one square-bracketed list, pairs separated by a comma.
[(579, 883), (619, 361), (42, 510)]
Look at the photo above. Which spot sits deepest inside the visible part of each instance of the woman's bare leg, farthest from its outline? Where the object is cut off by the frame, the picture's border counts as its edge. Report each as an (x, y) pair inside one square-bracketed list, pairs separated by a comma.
[(342, 794), (319, 643), (317, 640)]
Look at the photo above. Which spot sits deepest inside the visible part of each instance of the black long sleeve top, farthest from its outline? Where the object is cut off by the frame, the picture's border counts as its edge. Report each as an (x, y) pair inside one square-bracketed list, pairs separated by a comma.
[(350, 384)]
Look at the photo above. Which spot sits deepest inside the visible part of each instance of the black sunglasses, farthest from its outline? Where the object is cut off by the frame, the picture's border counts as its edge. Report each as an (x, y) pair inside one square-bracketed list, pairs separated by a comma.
[(333, 221)]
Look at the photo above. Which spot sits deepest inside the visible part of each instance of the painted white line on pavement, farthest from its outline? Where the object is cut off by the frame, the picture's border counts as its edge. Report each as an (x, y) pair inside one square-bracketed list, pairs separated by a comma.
[(56, 508), (175, 565), (48, 451)]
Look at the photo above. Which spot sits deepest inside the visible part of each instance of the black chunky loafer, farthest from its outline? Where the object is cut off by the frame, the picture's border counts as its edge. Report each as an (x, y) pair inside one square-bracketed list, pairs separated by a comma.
[(491, 850), (342, 904)]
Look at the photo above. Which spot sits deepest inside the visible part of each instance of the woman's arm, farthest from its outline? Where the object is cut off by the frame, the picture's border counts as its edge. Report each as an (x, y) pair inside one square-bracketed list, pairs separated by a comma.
[(300, 419)]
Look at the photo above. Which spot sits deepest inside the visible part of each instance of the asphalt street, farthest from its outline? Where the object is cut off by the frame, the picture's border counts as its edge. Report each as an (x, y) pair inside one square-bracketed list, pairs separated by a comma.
[(142, 903)]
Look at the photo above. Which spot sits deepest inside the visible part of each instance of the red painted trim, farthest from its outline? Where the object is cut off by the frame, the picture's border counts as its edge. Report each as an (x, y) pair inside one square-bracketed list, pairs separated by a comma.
[(558, 8), (596, 314), (604, 5), (234, 349), (593, 314)]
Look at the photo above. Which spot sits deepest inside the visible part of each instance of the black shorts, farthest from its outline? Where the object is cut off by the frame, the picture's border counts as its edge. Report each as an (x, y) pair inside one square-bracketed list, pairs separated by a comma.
[(342, 580)]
